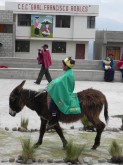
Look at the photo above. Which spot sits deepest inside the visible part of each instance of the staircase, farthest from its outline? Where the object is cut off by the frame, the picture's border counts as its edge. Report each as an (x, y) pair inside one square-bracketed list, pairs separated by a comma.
[(85, 70)]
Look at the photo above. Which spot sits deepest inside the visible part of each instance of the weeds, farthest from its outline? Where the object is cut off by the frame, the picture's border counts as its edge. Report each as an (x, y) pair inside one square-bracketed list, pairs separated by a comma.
[(87, 124), (73, 152), (24, 123), (116, 152), (28, 149), (115, 149)]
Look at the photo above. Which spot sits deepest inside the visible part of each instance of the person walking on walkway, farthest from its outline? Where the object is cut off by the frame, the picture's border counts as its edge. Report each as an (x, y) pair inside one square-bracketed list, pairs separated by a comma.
[(44, 58)]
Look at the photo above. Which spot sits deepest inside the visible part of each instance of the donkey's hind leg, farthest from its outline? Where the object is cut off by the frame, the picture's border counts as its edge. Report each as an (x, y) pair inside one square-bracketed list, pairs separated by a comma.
[(60, 133), (99, 129)]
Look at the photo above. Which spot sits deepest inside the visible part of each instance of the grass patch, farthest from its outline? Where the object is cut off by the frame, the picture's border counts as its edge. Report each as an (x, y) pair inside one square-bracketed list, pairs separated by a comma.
[(28, 149), (73, 151), (10, 144), (85, 121), (24, 123), (115, 149)]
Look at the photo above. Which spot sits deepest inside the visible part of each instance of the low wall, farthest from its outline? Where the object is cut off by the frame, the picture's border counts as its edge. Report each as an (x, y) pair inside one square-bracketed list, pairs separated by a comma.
[(80, 75), (32, 63), (85, 70)]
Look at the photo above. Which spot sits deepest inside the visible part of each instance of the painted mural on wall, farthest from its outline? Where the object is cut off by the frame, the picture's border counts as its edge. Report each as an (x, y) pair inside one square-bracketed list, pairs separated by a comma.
[(41, 26)]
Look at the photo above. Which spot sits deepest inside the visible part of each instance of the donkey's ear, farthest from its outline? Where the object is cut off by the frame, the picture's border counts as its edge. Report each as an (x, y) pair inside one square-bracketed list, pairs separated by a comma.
[(19, 87), (22, 84)]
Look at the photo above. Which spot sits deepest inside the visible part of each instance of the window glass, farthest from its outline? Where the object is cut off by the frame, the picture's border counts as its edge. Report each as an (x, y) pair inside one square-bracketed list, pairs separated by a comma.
[(63, 21), (91, 22), (58, 47), (6, 28), (22, 46), (24, 19)]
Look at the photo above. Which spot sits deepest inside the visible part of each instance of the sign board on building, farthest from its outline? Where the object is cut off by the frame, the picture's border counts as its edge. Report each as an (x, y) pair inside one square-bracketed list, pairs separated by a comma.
[(72, 9)]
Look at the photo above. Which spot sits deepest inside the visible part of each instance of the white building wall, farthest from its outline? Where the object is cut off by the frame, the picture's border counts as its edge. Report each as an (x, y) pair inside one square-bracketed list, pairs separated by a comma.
[(69, 35), (23, 32), (80, 30), (63, 33), (70, 51), (78, 33), (58, 33)]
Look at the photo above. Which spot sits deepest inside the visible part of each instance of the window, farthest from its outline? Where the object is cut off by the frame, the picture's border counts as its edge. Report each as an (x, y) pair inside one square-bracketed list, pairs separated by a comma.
[(22, 46), (63, 21), (58, 47), (6, 28), (24, 20), (91, 22)]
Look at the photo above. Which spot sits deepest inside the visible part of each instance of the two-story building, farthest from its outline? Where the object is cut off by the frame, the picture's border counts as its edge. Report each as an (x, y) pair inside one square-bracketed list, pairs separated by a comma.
[(108, 42), (66, 28)]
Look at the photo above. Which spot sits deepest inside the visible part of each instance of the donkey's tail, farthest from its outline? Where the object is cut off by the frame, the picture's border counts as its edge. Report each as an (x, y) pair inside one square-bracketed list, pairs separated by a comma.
[(106, 110)]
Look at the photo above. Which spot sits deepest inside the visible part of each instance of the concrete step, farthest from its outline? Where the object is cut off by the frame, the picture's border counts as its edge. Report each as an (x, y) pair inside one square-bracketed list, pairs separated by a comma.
[(32, 73), (12, 62), (85, 70)]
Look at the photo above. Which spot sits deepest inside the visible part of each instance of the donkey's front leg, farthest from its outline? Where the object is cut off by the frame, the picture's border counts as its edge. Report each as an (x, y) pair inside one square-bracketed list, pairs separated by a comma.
[(42, 131)]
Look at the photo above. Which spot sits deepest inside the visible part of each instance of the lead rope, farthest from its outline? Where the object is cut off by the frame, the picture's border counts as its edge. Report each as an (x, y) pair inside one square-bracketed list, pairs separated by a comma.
[(41, 91)]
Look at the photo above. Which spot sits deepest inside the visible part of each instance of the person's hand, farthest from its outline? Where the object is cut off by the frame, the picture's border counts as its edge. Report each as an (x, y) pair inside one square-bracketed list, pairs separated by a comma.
[(39, 50)]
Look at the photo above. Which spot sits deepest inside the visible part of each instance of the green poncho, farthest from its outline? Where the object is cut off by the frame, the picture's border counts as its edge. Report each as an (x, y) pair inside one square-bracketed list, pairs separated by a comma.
[(61, 91)]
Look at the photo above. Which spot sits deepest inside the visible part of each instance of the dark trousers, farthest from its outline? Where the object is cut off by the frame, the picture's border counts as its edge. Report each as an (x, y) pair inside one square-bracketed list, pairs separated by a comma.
[(121, 72), (43, 72), (53, 108)]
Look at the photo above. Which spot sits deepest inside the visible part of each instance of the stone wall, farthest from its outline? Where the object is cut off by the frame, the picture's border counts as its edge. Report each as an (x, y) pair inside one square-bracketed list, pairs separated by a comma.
[(6, 39)]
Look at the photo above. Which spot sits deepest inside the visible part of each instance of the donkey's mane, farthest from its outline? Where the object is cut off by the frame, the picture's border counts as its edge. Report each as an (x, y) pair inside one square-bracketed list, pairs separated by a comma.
[(32, 93)]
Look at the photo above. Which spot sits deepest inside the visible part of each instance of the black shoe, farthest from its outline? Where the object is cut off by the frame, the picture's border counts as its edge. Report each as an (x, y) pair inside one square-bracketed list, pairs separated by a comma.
[(52, 122), (36, 83)]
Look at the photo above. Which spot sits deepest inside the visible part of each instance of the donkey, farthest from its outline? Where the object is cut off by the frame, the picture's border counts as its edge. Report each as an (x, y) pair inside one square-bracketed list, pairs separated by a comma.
[(91, 103)]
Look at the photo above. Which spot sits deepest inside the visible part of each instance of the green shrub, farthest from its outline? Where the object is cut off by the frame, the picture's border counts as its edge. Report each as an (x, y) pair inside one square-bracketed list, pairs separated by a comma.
[(85, 121), (24, 123), (28, 149), (115, 150), (87, 125), (72, 152)]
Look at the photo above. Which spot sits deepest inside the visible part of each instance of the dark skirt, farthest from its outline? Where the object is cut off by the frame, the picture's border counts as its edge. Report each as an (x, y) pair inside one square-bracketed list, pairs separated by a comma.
[(109, 75), (36, 31)]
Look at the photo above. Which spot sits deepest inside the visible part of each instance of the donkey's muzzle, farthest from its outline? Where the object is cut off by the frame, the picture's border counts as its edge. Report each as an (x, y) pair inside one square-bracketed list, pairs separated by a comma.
[(11, 112)]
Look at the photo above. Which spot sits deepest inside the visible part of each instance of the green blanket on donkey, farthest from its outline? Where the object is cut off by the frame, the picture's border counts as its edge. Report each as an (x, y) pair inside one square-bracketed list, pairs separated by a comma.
[(61, 91)]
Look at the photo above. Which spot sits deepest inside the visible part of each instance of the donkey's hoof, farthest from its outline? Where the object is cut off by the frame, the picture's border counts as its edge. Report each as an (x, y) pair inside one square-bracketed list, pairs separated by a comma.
[(36, 145), (93, 148)]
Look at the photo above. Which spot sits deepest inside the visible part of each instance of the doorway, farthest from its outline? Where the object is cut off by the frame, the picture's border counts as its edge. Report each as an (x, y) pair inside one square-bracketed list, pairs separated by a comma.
[(80, 51), (115, 51)]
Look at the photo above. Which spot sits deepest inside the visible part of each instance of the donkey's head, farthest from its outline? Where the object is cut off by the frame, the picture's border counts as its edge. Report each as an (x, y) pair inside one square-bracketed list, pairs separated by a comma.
[(15, 104)]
